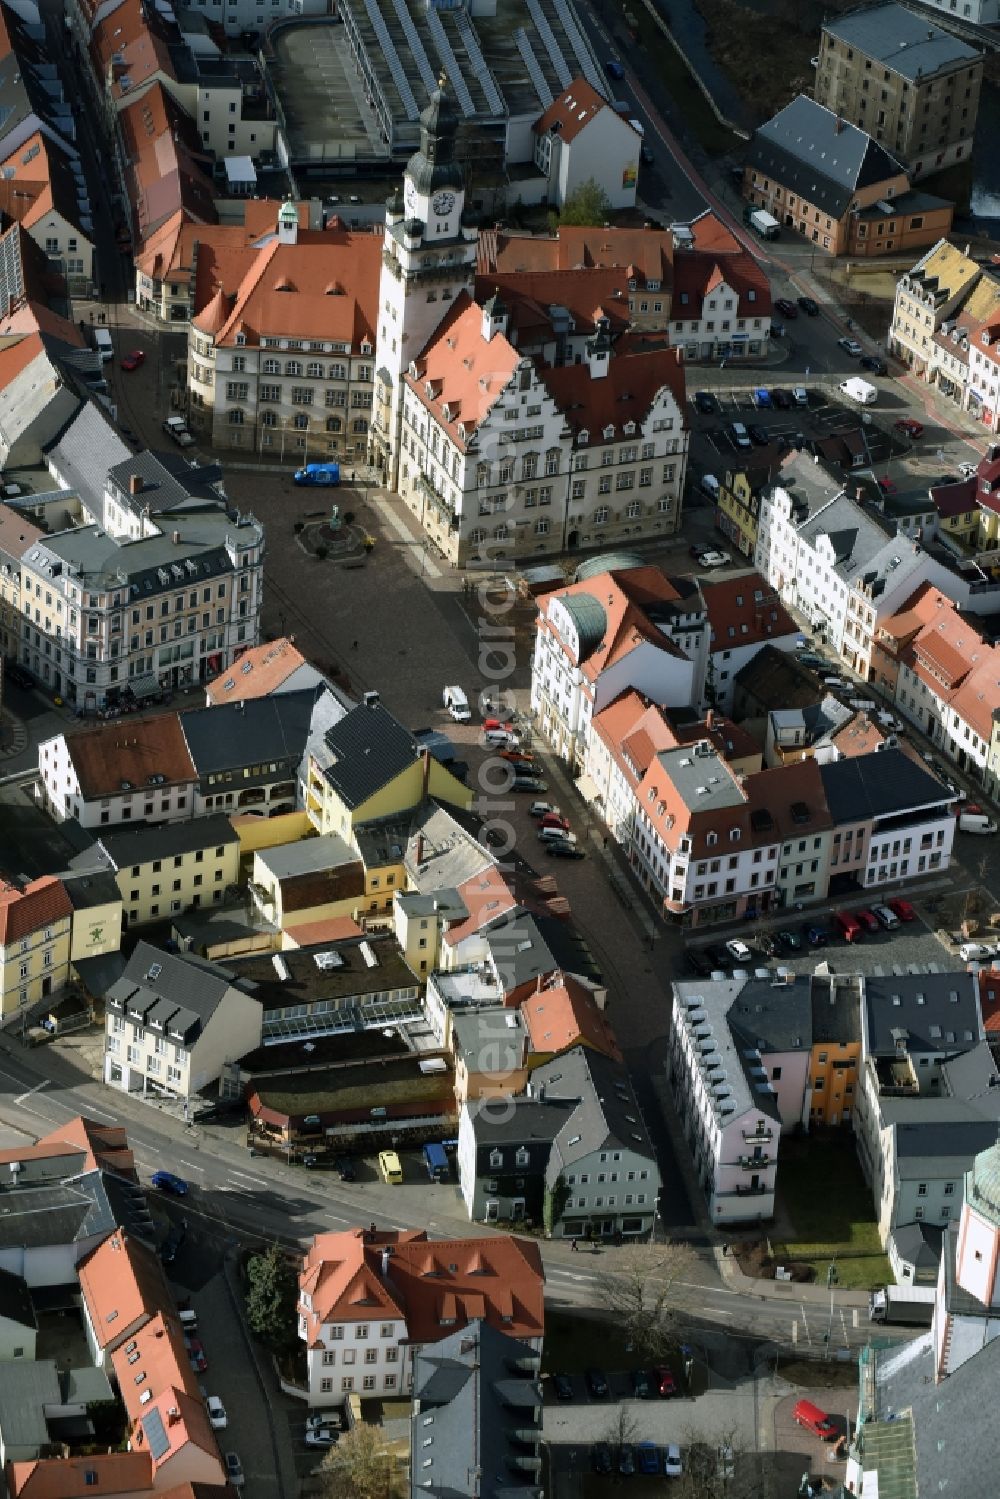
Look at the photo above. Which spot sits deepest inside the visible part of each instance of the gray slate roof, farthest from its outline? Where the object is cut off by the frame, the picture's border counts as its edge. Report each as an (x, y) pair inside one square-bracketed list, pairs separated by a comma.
[(802, 149), (366, 750), (606, 1112), (901, 41), (309, 856), (176, 991), (484, 1391), (251, 732), (83, 452), (70, 1211), (166, 486), (919, 1244), (856, 537), (521, 1120), (975, 1077), (867, 786), (25, 1388), (930, 1007), (141, 843)]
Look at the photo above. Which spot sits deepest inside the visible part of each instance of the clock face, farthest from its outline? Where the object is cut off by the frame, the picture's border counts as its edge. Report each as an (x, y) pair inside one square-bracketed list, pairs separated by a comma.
[(443, 203), (409, 196)]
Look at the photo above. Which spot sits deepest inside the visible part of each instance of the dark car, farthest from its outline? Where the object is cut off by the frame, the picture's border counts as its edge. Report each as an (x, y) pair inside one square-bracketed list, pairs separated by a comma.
[(758, 435), (816, 936), (170, 1248), (529, 783), (809, 307), (562, 850), (791, 941), (600, 1457), (647, 156), (705, 403), (563, 1386), (786, 308), (626, 1459), (781, 399), (597, 1384), (17, 674), (697, 962), (167, 1181), (345, 1169), (641, 1387), (664, 1380), (718, 956), (767, 945), (875, 364)]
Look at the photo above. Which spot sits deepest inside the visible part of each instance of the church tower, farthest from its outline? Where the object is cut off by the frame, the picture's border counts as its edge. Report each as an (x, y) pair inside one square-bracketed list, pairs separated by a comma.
[(428, 259)]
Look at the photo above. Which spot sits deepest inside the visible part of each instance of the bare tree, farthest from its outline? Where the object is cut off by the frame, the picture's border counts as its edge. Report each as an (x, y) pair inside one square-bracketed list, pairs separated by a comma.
[(640, 1296), (622, 1428), (361, 1466), (717, 1469)]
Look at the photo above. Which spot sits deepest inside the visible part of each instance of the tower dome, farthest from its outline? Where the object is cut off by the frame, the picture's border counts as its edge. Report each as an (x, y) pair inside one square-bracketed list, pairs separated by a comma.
[(982, 1185), (434, 167)]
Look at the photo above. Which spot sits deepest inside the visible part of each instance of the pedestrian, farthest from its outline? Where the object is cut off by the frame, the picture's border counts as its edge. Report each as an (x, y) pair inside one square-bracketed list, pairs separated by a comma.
[(573, 1246), (355, 646), (605, 840)]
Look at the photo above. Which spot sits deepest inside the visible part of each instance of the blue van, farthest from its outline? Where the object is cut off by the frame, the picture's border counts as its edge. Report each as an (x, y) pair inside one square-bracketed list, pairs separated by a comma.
[(318, 473)]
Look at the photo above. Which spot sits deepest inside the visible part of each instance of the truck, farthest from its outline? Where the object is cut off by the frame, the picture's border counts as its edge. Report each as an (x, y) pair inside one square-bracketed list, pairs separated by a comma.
[(762, 222), (436, 1162), (103, 344), (911, 1305), (861, 391), (457, 704), (176, 427), (318, 473)]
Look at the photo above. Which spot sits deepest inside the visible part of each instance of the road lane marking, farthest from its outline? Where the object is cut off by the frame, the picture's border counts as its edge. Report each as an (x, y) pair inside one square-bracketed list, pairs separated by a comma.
[(245, 1176), (43, 1084)]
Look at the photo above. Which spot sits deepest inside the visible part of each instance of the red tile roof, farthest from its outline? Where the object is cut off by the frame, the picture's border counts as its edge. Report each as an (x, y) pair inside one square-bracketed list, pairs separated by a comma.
[(102, 1146), (989, 1001), (564, 1014), (460, 370), (109, 754), (434, 1285), (624, 597), (698, 273), (572, 112), (530, 295), (17, 533), (70, 1477), (745, 611), (636, 374), (123, 1285), (257, 672), (38, 905), (487, 897), (643, 254)]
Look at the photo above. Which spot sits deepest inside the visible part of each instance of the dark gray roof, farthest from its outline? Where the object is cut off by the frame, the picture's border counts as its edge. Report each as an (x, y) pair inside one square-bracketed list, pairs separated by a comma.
[(777, 679), (139, 844), (974, 1076), (98, 974), (867, 786), (958, 1442), (918, 1244), (254, 731), (15, 1300), (83, 452), (91, 889), (606, 1115), (366, 750), (26, 1387), (519, 1121), (165, 486), (70, 1211), (335, 970), (907, 44), (485, 1394), (857, 537), (175, 991), (938, 1011), (525, 947), (836, 1008), (773, 1017), (809, 151), (941, 1141)]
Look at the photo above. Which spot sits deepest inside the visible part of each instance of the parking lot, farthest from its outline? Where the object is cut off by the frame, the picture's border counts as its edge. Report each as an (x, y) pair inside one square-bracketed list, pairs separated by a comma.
[(775, 420), (912, 947)]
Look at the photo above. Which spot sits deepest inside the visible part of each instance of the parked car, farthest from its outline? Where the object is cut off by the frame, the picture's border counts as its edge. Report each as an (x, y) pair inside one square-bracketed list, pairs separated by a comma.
[(697, 962), (698, 549), (740, 435), (672, 1465), (762, 396), (903, 909), (705, 403), (345, 1168), (786, 308), (554, 820), (563, 849), (649, 1458), (738, 950), (666, 1384), (886, 917), (529, 783), (234, 1470), (641, 1387), (626, 1459), (789, 940), (800, 396), (549, 834), (600, 1457), (167, 1181), (850, 346), (758, 435), (134, 360), (563, 1386), (813, 1419), (646, 156), (216, 1413), (517, 756), (908, 427), (767, 944), (543, 809), (321, 1436), (597, 1384), (867, 919), (809, 307), (715, 559), (876, 365), (781, 399), (196, 1356), (816, 936)]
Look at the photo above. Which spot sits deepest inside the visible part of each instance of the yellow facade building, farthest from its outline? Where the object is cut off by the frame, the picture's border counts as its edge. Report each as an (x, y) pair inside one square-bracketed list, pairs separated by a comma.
[(164, 870), (35, 929)]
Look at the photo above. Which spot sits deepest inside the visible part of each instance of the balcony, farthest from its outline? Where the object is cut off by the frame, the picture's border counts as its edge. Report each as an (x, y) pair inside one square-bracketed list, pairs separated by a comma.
[(748, 1189), (755, 1162), (762, 1136)]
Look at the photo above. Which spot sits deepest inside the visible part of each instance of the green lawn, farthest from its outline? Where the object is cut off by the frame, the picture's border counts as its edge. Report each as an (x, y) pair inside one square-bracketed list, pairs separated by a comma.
[(822, 1192)]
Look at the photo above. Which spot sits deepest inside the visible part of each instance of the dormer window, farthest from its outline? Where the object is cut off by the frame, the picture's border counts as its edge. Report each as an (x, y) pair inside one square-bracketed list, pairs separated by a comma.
[(712, 839), (734, 835), (629, 429), (583, 437), (241, 339), (413, 369), (609, 433)]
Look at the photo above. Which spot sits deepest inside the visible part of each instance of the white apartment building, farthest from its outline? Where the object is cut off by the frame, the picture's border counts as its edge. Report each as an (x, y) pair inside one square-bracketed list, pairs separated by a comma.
[(108, 774), (580, 138), (983, 394)]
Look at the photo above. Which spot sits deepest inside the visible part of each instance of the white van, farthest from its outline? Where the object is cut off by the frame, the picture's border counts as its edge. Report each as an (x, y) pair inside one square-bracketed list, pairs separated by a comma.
[(859, 390), (103, 344), (976, 822), (555, 835), (457, 704), (710, 486)]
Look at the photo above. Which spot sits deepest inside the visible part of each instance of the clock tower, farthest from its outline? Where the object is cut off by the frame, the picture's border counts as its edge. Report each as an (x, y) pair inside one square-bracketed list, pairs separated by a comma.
[(428, 259)]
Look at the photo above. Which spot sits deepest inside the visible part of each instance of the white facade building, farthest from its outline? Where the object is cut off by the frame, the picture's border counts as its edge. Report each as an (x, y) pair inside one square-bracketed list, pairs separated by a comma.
[(580, 138)]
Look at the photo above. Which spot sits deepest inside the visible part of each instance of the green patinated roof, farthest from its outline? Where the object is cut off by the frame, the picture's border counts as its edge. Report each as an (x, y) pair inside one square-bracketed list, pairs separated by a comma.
[(608, 562), (589, 618), (982, 1184)]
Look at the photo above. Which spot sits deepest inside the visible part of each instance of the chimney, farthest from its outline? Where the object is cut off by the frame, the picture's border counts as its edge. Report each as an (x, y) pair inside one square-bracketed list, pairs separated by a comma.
[(426, 758), (838, 125), (175, 537), (385, 1263), (710, 720), (419, 851), (135, 484)]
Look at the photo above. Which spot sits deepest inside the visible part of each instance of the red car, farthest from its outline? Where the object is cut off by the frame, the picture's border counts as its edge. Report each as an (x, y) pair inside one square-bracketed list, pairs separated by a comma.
[(867, 920), (909, 428), (553, 820), (903, 910), (196, 1356), (524, 756), (132, 361), (664, 1381), (887, 486)]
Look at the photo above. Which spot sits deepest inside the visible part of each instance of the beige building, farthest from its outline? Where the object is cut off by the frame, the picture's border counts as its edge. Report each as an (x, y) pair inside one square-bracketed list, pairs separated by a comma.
[(928, 297), (910, 85), (169, 868), (35, 926), (172, 1024)]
